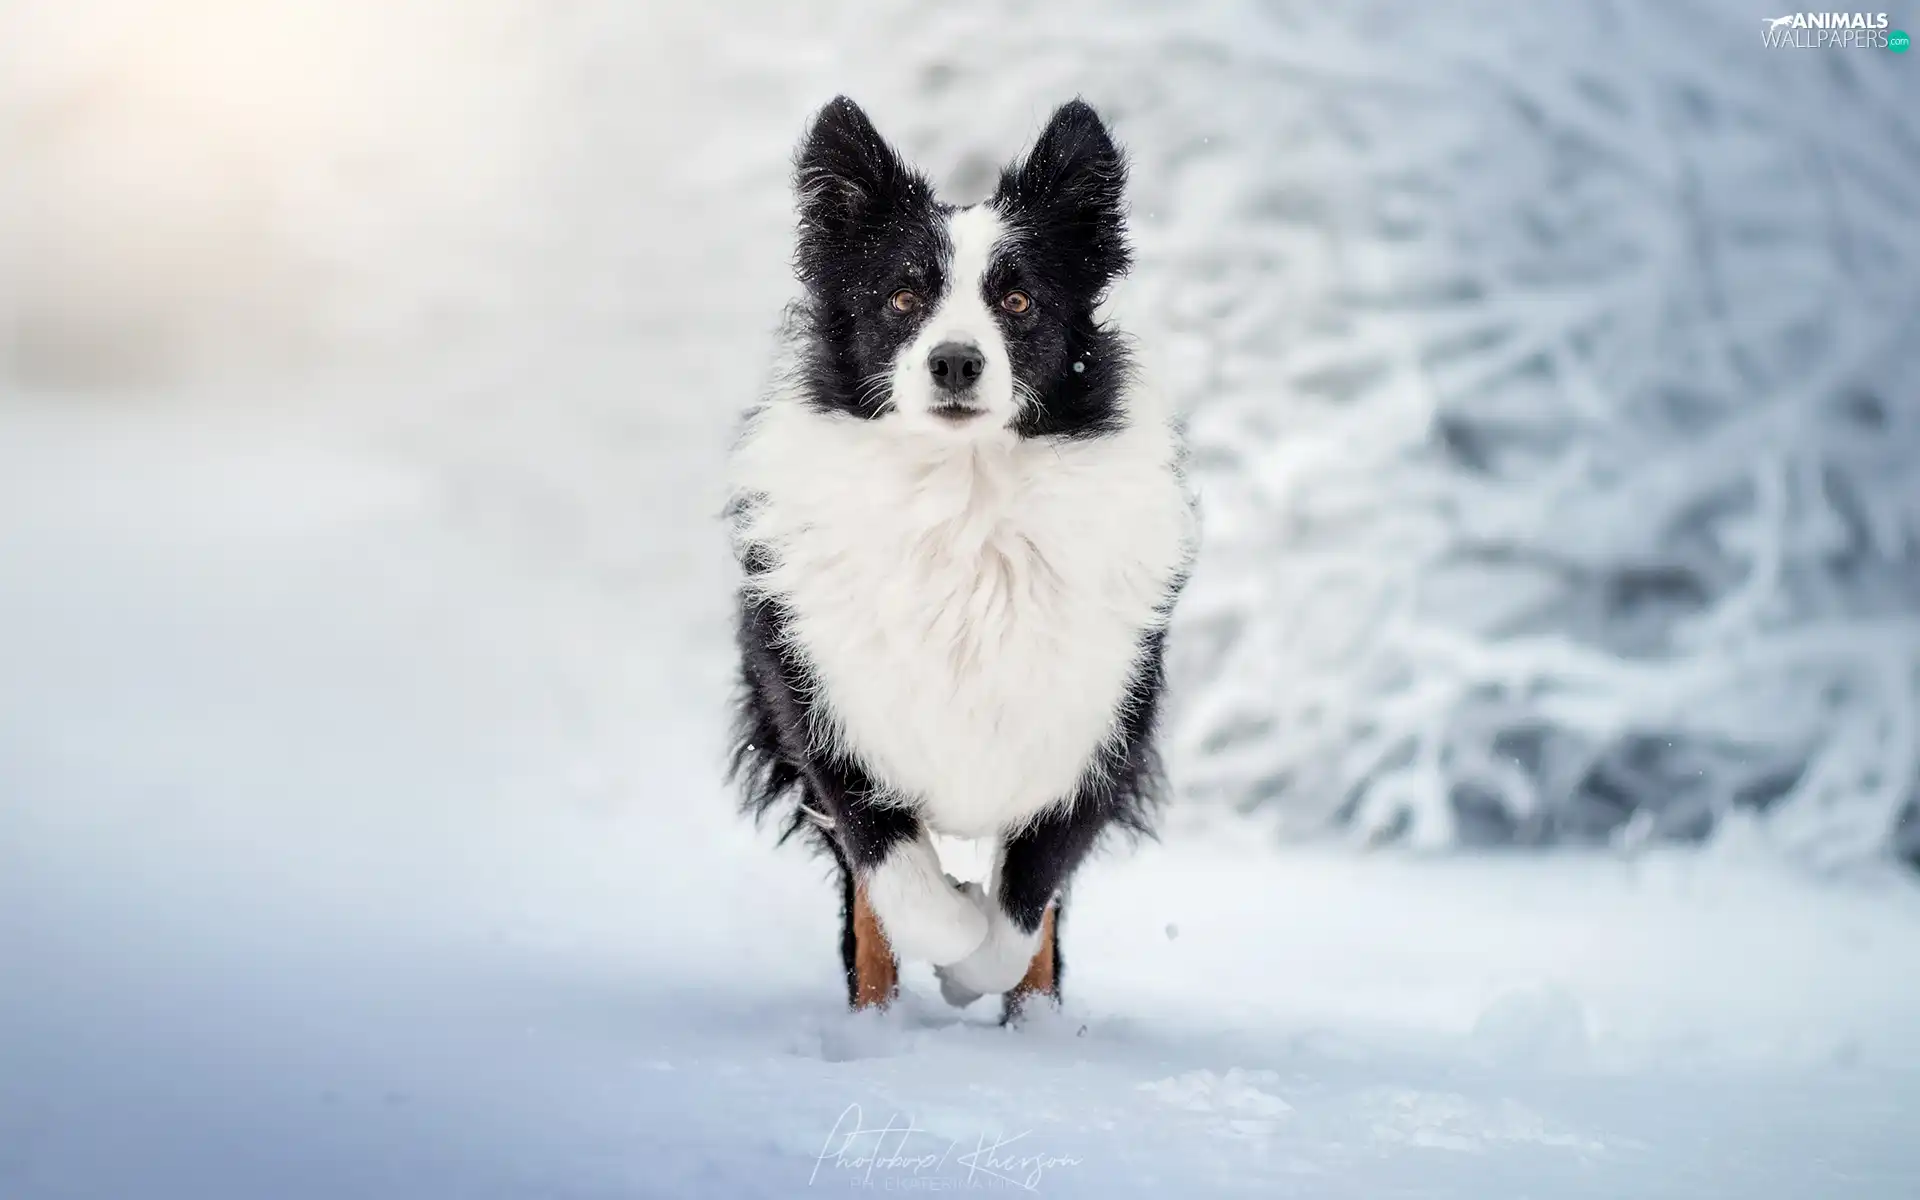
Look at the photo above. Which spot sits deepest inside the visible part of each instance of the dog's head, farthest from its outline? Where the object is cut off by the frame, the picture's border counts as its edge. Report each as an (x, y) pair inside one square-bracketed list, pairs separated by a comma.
[(963, 319)]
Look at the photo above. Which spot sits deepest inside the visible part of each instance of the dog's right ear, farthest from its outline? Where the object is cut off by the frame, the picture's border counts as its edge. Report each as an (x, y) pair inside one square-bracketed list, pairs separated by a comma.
[(846, 176)]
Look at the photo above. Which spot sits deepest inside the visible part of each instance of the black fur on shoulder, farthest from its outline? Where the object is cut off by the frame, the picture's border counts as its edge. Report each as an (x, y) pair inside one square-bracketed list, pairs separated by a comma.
[(772, 728), (1126, 777)]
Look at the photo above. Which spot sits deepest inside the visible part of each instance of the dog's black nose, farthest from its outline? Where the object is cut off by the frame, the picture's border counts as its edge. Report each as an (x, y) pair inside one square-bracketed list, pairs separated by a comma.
[(956, 366)]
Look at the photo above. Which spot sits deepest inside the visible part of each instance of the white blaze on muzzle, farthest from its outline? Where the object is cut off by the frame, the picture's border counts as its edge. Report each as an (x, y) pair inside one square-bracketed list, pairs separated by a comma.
[(957, 365)]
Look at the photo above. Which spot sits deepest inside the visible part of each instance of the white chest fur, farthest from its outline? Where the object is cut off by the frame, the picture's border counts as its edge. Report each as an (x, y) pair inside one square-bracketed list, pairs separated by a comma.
[(970, 609)]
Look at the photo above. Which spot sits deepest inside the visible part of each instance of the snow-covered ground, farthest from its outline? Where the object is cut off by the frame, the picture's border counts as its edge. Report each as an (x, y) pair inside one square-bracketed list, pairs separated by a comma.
[(361, 832), (344, 855)]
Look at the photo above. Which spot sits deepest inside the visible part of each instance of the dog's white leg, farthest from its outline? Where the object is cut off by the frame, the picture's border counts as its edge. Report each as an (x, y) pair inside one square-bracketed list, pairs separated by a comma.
[(999, 962), (925, 915)]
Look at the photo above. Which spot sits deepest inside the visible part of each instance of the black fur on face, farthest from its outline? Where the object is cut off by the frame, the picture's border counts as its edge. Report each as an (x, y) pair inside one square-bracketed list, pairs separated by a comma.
[(1065, 207), (870, 227)]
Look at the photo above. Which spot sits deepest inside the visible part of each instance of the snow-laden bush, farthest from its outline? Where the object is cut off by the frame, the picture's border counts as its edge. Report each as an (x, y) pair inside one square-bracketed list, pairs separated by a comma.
[(1557, 454), (1577, 494)]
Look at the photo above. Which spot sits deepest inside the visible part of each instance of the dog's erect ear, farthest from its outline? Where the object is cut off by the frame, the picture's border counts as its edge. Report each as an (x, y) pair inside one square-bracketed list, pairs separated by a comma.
[(846, 176), (1072, 191)]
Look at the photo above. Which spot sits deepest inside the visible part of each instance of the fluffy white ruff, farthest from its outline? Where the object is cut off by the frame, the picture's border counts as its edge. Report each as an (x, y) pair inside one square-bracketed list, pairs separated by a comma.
[(963, 315), (970, 604), (925, 916)]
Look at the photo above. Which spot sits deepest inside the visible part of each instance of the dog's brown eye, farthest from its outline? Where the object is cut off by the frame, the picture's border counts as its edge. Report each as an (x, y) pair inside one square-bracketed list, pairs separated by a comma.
[(904, 301), (1016, 302)]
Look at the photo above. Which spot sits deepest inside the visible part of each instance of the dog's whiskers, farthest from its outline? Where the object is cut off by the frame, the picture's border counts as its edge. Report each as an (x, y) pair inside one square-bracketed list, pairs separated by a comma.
[(868, 389)]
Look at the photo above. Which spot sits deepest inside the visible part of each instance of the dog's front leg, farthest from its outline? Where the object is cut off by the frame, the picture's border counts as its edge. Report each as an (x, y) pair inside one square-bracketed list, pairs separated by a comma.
[(1021, 951), (896, 871)]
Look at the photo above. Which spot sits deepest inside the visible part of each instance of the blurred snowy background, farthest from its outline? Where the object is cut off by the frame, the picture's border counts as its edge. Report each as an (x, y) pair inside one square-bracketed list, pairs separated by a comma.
[(1545, 367), (366, 370)]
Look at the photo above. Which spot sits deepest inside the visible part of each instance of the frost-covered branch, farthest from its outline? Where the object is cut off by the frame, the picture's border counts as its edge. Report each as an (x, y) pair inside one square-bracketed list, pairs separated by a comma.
[(1590, 505)]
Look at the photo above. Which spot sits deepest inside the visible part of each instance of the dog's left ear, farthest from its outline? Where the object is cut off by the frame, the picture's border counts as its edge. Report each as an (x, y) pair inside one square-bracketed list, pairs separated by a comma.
[(1071, 189)]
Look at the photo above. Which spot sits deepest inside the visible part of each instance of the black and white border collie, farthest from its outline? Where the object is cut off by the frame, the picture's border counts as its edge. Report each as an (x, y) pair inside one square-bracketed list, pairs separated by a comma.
[(963, 526)]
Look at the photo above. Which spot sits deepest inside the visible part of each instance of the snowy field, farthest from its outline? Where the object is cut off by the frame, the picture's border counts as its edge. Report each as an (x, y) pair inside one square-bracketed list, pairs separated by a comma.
[(363, 657)]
